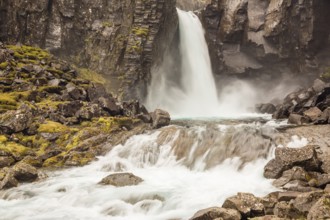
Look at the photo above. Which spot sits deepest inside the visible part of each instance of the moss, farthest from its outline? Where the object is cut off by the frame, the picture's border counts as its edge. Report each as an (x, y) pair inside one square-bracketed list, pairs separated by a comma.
[(3, 139), (28, 52), (13, 148), (80, 136), (141, 31), (4, 65), (52, 70), (107, 24), (7, 99), (80, 158), (91, 76), (56, 161), (53, 127), (47, 103), (326, 75), (110, 124)]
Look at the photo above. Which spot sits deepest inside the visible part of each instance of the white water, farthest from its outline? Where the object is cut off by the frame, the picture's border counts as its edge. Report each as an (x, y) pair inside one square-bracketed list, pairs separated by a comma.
[(196, 93), (172, 189)]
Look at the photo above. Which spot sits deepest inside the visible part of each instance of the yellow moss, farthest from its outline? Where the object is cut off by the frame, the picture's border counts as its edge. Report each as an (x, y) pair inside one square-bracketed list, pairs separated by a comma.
[(140, 31), (3, 139), (4, 65), (52, 70), (91, 75), (14, 149), (53, 127), (81, 158), (28, 52), (7, 99), (107, 24), (80, 136), (109, 124), (56, 161), (326, 74)]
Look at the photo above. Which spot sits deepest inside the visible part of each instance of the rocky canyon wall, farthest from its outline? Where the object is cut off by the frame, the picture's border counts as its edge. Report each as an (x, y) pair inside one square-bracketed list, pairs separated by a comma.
[(267, 37), (120, 39)]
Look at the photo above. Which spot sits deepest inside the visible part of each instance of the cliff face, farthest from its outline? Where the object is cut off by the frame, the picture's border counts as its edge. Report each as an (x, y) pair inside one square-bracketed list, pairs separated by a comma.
[(270, 37), (121, 39)]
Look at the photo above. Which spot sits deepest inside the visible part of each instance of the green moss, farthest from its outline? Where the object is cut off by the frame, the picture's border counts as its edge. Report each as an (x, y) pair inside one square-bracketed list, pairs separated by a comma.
[(13, 148), (80, 158), (4, 65), (141, 32), (52, 70), (326, 75), (8, 99), (53, 127), (91, 75), (107, 24)]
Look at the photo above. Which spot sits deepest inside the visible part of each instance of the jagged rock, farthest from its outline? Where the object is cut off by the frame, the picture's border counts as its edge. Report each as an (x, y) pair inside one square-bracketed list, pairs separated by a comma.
[(313, 113), (287, 196), (321, 209), (160, 118), (24, 172), (297, 119), (9, 181), (324, 117), (16, 121), (269, 202), (121, 179), (109, 105), (286, 158), (69, 109), (89, 111), (296, 173), (304, 202), (6, 161), (286, 211), (282, 111), (217, 213), (247, 204), (33, 161), (318, 85)]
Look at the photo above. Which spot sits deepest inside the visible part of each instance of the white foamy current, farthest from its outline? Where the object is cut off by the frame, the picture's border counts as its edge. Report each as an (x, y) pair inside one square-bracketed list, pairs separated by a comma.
[(184, 168)]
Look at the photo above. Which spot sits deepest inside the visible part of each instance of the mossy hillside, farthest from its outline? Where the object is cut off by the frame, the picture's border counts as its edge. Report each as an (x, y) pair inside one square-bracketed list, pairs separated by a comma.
[(28, 52)]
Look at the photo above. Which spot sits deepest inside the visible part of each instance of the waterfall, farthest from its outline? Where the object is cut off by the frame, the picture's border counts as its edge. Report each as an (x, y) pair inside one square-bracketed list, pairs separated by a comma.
[(195, 94)]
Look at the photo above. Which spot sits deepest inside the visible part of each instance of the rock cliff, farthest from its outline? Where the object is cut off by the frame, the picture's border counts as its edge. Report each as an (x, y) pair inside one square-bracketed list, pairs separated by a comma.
[(270, 37), (120, 39)]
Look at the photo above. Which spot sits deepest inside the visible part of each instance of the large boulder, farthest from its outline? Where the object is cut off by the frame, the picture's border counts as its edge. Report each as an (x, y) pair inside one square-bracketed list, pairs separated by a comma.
[(321, 209), (16, 121), (247, 204), (121, 179), (313, 113), (160, 118), (24, 172), (286, 158), (217, 213)]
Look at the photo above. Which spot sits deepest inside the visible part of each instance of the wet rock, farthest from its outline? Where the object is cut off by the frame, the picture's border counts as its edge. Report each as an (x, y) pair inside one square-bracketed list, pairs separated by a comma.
[(321, 209), (282, 111), (24, 172), (247, 204), (266, 108), (9, 180), (6, 161), (121, 179), (160, 118), (33, 161), (217, 213), (78, 158), (313, 113)]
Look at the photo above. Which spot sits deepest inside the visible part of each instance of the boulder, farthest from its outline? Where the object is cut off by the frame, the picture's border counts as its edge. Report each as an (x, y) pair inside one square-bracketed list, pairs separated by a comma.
[(304, 202), (321, 209), (9, 180), (121, 179), (324, 117), (69, 109), (247, 204), (24, 172), (287, 196), (298, 119), (286, 158), (109, 105), (318, 85), (217, 213), (6, 161), (266, 108), (296, 173), (160, 118), (287, 211), (16, 121), (313, 113)]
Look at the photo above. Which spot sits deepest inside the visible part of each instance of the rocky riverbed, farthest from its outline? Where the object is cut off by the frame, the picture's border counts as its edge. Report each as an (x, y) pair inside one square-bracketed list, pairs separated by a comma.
[(53, 115)]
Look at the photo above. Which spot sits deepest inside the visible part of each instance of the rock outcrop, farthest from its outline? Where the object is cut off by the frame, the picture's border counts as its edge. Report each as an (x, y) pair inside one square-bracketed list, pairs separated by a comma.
[(267, 37), (120, 39), (54, 115)]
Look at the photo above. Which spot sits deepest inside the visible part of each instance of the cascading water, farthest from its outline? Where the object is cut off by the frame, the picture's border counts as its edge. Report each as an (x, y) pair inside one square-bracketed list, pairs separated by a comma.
[(196, 94), (184, 170)]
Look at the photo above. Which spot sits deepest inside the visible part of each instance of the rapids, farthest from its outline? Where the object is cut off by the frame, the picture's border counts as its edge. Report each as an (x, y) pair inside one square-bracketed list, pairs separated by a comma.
[(185, 168)]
